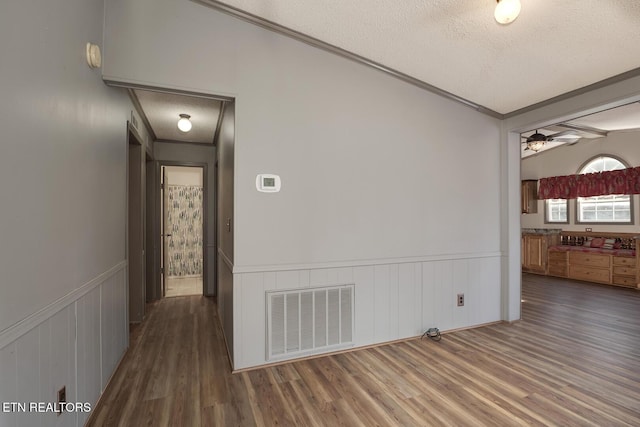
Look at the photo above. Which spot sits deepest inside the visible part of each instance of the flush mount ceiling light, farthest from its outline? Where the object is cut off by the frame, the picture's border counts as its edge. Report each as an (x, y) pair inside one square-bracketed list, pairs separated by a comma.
[(507, 11), (184, 124)]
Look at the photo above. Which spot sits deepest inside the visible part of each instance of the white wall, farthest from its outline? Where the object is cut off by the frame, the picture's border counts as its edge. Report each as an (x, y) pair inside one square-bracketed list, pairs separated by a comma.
[(62, 222), (566, 160), (374, 171)]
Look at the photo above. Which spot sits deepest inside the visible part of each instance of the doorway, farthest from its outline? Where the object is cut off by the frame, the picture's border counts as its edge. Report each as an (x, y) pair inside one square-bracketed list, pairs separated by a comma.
[(182, 193), (212, 125), (135, 226)]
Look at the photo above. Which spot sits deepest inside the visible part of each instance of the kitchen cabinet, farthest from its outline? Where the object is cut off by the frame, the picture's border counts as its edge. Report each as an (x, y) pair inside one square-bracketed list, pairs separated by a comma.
[(529, 196), (590, 267), (535, 245), (558, 264), (534, 253), (624, 271), (575, 258)]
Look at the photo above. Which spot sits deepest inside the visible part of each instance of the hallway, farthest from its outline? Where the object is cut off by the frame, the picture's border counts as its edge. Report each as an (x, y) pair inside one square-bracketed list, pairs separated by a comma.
[(176, 372), (573, 360)]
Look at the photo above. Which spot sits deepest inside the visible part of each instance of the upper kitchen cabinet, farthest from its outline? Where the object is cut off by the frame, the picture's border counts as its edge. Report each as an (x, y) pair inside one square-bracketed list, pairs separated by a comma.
[(529, 196)]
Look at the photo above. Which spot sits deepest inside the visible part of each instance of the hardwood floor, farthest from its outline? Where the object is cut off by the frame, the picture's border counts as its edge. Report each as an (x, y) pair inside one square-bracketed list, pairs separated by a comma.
[(574, 360)]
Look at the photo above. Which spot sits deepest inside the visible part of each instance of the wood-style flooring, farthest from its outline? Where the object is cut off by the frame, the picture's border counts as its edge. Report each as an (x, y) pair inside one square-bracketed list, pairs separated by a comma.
[(574, 360)]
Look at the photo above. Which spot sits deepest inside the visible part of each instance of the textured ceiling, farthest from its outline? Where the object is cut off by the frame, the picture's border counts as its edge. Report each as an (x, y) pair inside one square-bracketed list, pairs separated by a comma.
[(553, 47), (163, 110)]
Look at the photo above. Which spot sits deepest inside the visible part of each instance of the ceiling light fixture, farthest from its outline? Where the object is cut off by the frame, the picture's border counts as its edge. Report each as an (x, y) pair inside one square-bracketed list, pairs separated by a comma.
[(184, 124), (536, 141), (507, 11)]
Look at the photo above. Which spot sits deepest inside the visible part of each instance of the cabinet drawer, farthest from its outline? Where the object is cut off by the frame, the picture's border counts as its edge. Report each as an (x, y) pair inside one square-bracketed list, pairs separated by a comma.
[(554, 261), (623, 260), (592, 260), (589, 274), (621, 270), (624, 281), (557, 256)]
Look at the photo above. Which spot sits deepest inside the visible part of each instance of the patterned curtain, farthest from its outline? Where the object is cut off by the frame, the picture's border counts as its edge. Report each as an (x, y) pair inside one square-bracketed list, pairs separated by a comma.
[(623, 181), (184, 223)]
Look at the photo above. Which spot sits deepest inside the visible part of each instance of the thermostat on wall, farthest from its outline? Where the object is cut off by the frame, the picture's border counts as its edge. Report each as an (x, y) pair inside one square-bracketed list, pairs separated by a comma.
[(268, 183)]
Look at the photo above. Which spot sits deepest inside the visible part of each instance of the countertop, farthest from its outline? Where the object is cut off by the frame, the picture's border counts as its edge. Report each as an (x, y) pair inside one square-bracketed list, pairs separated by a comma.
[(541, 231)]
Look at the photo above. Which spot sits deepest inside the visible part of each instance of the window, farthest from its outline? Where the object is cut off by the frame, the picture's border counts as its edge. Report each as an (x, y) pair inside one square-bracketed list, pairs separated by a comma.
[(603, 209), (556, 211)]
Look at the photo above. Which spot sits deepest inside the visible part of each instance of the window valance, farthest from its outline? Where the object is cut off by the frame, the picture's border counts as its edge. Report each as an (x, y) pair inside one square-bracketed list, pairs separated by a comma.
[(623, 181)]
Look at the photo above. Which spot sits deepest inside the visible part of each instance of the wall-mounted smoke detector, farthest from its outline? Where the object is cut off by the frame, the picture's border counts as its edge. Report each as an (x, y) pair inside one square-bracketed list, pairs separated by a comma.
[(94, 58)]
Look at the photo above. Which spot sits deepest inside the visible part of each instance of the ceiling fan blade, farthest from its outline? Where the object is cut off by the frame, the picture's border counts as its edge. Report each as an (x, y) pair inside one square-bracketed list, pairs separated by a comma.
[(567, 135), (584, 131)]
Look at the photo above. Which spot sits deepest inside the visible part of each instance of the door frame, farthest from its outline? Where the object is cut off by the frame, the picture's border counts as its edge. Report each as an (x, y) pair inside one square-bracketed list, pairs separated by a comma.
[(135, 227), (150, 243), (158, 286)]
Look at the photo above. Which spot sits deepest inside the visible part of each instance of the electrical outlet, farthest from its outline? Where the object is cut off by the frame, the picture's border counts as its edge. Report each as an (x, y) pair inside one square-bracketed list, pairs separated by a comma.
[(460, 300), (588, 229), (62, 398)]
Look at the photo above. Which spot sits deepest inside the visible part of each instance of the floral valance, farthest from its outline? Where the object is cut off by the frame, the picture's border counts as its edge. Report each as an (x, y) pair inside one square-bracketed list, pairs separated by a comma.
[(623, 181)]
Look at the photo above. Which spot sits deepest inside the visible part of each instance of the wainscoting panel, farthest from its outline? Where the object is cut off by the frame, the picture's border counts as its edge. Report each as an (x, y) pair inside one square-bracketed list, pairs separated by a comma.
[(365, 298), (438, 294), (485, 289), (461, 285), (43, 360), (76, 342), (89, 372), (8, 382), (391, 300), (28, 371), (283, 280), (385, 298), (114, 331), (410, 294), (251, 325), (62, 363), (228, 306)]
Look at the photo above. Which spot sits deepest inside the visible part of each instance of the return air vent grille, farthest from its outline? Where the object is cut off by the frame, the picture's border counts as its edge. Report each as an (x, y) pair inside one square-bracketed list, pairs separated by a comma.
[(309, 321)]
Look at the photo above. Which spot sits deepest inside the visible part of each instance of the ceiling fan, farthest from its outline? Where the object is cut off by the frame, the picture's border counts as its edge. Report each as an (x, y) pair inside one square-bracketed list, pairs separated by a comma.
[(537, 140)]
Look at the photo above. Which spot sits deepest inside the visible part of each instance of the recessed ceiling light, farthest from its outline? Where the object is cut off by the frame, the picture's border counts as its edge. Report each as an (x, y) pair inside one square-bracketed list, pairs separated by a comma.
[(184, 124), (507, 11)]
